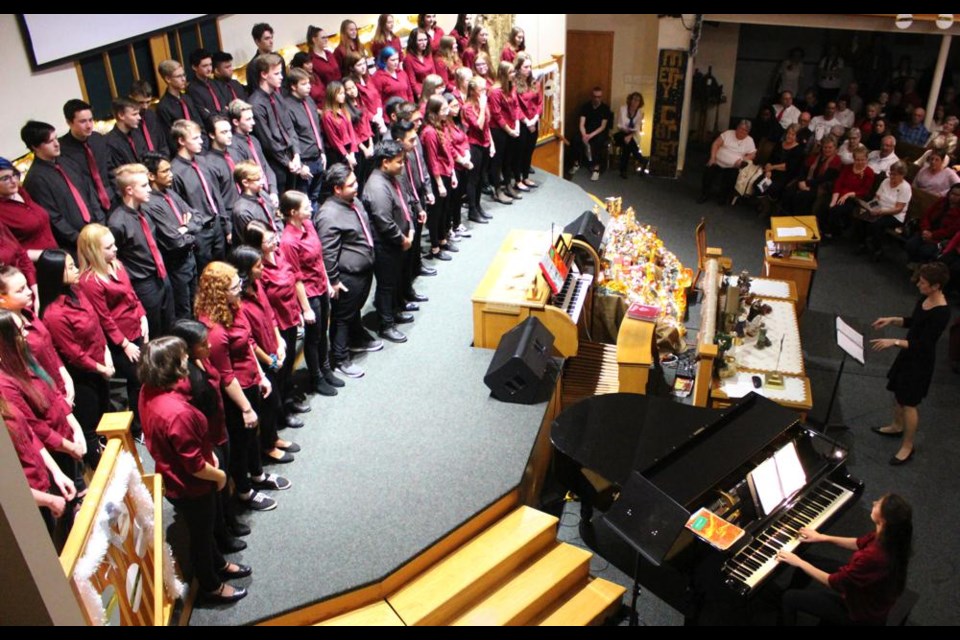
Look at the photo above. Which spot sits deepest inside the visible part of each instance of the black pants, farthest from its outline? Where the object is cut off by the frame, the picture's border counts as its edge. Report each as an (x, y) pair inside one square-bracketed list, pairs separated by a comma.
[(839, 217), (345, 324), (920, 250), (312, 186), (387, 266), (92, 400), (156, 296), (802, 596), (128, 371), (501, 161), (628, 149), (315, 338), (871, 233), (211, 245), (271, 412), (199, 514), (412, 260), (796, 202), (438, 213), (726, 177), (592, 151), (528, 144), (244, 444), (456, 200), (480, 157), (224, 507), (513, 160), (289, 337), (182, 272)]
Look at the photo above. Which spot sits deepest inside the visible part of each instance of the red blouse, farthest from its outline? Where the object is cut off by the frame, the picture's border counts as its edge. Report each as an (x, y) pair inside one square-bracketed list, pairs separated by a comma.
[(49, 424), (325, 71), (463, 41), (475, 134), (377, 47), (948, 223), (369, 96), (458, 140), (28, 221), (446, 72), (13, 253), (24, 438), (260, 317), (508, 54), (41, 346), (176, 435), (417, 71), (231, 351), (362, 129), (116, 303), (302, 249), (849, 182), (531, 102), (435, 40), (217, 423), (390, 86), (279, 282), (75, 328), (437, 150), (504, 108), (338, 132)]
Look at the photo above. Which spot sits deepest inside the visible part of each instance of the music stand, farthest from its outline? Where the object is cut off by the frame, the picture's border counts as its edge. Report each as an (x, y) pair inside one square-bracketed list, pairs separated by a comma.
[(649, 521), (850, 342)]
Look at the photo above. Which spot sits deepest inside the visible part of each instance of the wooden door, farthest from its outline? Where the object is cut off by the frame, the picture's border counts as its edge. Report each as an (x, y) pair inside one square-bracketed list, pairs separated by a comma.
[(589, 63)]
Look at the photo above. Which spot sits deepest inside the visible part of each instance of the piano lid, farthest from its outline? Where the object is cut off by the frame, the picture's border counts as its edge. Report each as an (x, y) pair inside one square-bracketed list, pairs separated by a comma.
[(684, 450)]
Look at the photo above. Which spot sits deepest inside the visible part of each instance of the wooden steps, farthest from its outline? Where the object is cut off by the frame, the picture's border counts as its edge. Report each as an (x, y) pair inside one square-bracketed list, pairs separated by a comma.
[(587, 605), (378, 614)]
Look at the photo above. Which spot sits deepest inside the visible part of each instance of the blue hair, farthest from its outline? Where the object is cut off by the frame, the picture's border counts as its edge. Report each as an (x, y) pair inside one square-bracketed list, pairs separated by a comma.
[(385, 55)]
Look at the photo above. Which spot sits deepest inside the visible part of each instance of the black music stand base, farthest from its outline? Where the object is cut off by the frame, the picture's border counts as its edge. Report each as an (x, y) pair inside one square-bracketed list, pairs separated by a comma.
[(634, 612), (825, 425)]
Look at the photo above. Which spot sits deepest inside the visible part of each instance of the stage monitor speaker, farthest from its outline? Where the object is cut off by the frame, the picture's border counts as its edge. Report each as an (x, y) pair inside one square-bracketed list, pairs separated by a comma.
[(522, 366), (588, 228)]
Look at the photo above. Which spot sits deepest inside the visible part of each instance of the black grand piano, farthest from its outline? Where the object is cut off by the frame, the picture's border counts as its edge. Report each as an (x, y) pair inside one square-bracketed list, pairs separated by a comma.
[(693, 457)]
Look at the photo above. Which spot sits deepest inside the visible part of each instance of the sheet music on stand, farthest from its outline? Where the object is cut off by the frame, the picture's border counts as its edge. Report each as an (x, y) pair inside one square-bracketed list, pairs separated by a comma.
[(850, 340)]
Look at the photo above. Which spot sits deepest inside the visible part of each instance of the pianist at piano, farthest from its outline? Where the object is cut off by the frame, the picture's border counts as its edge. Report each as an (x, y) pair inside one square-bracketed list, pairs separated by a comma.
[(863, 590)]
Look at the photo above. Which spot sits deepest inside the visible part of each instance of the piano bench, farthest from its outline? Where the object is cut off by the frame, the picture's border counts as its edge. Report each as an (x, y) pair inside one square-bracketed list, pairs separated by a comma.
[(900, 612)]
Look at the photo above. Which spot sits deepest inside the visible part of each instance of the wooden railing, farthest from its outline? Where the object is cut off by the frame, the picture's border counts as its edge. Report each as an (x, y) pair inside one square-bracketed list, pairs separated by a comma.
[(551, 121), (115, 558)]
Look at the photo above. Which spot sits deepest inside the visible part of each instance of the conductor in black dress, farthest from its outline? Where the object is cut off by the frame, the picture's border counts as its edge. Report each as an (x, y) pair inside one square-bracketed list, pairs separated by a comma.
[(911, 373)]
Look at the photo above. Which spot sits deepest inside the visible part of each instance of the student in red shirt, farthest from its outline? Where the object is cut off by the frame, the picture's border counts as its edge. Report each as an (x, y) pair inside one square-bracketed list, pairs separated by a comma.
[(369, 93), (478, 44), (476, 119), (383, 37), (176, 437), (446, 61), (461, 31), (505, 128), (25, 219), (338, 129), (349, 43), (516, 43), (862, 591), (453, 129), (427, 22), (439, 154), (390, 79), (326, 67), (105, 283), (418, 63), (75, 328), (531, 107), (362, 126)]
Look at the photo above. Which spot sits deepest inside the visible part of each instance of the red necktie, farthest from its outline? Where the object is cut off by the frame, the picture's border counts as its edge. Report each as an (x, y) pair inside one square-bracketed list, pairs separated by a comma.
[(413, 187), (233, 166), (133, 147), (419, 168), (313, 125), (253, 151), (232, 91), (183, 105), (363, 223), (152, 245), (81, 204), (276, 114), (403, 204), (95, 173), (206, 187), (780, 115), (173, 206), (266, 211), (213, 94), (146, 135)]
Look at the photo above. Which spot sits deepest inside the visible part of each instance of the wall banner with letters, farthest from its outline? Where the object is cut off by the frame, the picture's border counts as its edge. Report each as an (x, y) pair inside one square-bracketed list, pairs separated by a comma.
[(665, 146)]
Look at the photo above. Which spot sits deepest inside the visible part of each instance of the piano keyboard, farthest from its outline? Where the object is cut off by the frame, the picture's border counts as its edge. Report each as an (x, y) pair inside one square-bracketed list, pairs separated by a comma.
[(753, 563), (570, 298)]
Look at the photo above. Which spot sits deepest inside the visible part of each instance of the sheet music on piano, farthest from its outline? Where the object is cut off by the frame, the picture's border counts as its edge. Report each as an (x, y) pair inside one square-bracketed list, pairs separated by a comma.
[(777, 478)]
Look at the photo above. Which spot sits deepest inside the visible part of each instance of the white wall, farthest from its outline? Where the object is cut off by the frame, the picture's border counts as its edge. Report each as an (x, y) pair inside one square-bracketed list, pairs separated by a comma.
[(29, 95), (718, 48)]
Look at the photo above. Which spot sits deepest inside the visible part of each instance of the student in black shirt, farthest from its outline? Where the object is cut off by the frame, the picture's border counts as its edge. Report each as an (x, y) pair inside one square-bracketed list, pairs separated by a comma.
[(176, 228), (262, 34), (125, 141), (57, 187), (251, 205), (306, 125), (138, 249), (194, 181), (151, 129), (87, 151), (230, 88), (245, 145), (279, 141), (175, 104), (595, 117), (202, 91), (222, 159)]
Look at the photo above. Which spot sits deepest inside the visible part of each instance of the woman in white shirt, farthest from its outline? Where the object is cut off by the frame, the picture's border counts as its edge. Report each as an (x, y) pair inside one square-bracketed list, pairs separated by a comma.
[(629, 130), (888, 209), (854, 140)]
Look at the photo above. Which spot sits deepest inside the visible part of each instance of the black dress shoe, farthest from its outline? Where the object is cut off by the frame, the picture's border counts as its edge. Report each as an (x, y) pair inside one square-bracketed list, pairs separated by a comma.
[(293, 422), (217, 597), (238, 529), (887, 434), (242, 572), (286, 458), (413, 296), (231, 545), (441, 255), (331, 378), (411, 306), (292, 447), (896, 462), (298, 407), (299, 396), (324, 388), (476, 218), (393, 335), (427, 271), (403, 318)]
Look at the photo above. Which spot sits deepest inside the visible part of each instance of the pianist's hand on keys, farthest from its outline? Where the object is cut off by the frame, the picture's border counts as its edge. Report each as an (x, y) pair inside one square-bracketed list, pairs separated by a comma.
[(805, 535)]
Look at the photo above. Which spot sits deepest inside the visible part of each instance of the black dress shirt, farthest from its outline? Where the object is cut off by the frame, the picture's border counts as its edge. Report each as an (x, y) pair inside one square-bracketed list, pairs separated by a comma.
[(386, 209), (132, 247), (345, 245), (302, 113), (48, 188), (188, 186), (166, 224), (72, 152)]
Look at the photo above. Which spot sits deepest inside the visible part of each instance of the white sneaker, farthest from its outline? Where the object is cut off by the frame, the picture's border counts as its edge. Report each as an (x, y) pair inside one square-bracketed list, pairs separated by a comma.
[(464, 232), (594, 176), (574, 168)]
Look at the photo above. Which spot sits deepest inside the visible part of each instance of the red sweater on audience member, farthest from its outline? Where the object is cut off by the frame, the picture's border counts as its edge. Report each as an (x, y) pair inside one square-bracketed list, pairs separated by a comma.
[(28, 222), (849, 182), (13, 253), (176, 435), (279, 281), (116, 304), (302, 249), (231, 351), (947, 223), (338, 133), (44, 352), (24, 440), (75, 328)]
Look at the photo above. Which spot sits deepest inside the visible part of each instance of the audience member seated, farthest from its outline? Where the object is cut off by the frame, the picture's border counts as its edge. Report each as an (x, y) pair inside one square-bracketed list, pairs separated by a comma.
[(595, 117), (823, 125), (789, 75), (811, 103), (784, 166), (785, 112), (844, 114), (629, 130), (856, 181), (854, 140), (939, 223), (730, 152), (810, 194), (804, 132), (936, 177), (854, 101), (888, 209), (765, 126), (882, 159), (945, 139), (869, 117), (914, 132)]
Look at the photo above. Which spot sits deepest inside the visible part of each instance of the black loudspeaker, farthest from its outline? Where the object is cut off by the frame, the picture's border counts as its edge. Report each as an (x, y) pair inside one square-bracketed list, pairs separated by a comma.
[(522, 366), (588, 228)]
